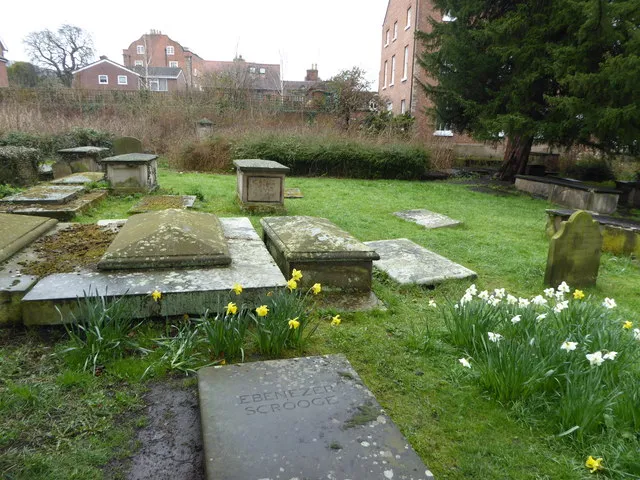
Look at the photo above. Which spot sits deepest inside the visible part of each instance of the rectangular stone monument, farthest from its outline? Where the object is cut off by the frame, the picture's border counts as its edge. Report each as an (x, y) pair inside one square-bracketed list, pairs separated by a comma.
[(132, 172), (45, 194), (303, 418), (260, 184), (427, 219), (574, 252), (83, 159), (325, 253)]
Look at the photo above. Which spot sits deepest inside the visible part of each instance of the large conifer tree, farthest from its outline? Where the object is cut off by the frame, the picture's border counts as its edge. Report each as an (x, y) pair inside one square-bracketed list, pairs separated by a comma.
[(560, 72)]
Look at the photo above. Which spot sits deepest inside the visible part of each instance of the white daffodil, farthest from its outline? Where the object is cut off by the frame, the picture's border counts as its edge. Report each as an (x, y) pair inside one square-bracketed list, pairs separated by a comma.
[(569, 346), (467, 297), (472, 290), (464, 362), (483, 295), (532, 341), (559, 296), (560, 306), (564, 288), (636, 333), (539, 300), (541, 317), (516, 319), (549, 292), (432, 303), (511, 300), (523, 302), (500, 292), (494, 337), (610, 355), (609, 303), (595, 358), (493, 301)]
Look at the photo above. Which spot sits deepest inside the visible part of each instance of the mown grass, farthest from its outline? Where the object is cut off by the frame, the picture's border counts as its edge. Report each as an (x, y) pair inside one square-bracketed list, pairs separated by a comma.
[(460, 431)]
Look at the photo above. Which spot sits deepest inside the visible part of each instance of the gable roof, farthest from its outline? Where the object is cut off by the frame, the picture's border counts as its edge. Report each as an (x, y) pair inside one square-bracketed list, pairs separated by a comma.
[(158, 72), (3, 47), (105, 60), (269, 80)]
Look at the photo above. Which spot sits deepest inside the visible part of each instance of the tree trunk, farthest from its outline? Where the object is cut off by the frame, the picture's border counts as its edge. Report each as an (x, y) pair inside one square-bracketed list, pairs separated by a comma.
[(516, 156)]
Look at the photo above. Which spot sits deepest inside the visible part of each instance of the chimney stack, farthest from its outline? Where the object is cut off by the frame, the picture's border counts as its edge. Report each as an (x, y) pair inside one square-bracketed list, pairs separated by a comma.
[(103, 57), (312, 73)]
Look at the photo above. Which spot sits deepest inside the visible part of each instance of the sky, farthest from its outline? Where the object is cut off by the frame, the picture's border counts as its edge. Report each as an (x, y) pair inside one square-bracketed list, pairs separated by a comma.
[(334, 34)]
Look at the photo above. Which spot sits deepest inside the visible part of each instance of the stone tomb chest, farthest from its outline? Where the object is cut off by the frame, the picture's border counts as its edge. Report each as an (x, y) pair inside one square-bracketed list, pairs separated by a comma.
[(132, 172), (322, 251), (172, 238), (260, 183), (83, 159)]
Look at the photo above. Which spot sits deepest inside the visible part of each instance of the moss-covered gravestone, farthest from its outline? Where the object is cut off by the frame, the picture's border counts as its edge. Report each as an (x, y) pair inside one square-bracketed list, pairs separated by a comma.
[(574, 252), (124, 145)]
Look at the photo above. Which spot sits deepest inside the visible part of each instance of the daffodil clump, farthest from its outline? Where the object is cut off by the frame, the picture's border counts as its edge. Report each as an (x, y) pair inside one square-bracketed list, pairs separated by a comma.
[(573, 354)]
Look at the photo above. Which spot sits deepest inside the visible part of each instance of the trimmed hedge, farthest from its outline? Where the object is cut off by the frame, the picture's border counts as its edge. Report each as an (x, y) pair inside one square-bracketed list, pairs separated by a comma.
[(309, 156)]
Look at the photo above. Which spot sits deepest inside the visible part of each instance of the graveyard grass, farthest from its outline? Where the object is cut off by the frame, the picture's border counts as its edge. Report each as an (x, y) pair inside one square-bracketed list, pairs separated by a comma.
[(78, 422)]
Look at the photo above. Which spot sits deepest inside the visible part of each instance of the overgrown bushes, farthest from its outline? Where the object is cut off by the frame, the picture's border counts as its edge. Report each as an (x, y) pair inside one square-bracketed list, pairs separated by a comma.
[(591, 169), (49, 144)]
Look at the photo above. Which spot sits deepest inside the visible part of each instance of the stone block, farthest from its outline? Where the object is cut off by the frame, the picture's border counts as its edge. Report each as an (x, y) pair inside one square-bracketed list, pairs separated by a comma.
[(124, 145), (302, 418), (63, 212), (574, 252), (18, 231), (260, 184), (171, 238), (322, 251), (132, 172), (83, 159), (12, 289), (427, 219), (45, 195)]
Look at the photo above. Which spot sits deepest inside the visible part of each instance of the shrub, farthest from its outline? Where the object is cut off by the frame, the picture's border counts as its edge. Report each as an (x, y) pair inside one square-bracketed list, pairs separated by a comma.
[(384, 122), (591, 169), (212, 155), (49, 144)]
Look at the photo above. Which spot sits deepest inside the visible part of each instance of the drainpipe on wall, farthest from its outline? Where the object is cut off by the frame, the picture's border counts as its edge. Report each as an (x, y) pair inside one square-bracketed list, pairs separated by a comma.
[(413, 60)]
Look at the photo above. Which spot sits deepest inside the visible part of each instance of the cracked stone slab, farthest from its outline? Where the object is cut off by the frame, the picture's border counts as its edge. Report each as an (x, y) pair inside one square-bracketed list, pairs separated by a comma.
[(427, 219), (45, 194), (408, 263), (63, 212), (304, 418)]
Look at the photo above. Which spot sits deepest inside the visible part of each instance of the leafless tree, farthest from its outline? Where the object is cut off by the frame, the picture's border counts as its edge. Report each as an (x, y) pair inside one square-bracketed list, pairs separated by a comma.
[(63, 50)]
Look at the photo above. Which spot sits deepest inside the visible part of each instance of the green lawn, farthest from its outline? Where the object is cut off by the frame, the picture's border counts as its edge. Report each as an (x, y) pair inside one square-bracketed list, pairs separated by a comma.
[(460, 431)]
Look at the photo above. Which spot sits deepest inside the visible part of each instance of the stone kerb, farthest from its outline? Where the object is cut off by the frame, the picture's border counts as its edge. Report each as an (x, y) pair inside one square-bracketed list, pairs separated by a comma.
[(19, 166), (574, 252), (260, 184)]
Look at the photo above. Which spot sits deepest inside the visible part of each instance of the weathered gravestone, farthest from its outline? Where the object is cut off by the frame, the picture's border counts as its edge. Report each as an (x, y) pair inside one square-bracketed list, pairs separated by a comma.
[(427, 219), (83, 159), (574, 252), (204, 128), (260, 184), (132, 172), (303, 418), (123, 145), (19, 165), (18, 231)]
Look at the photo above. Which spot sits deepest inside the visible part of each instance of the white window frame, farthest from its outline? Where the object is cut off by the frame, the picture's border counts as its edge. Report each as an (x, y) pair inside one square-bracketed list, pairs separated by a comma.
[(387, 37), (408, 19), (138, 63), (140, 49), (263, 71), (403, 106), (173, 64), (447, 17), (171, 50), (393, 71), (386, 77), (103, 77), (395, 31), (389, 106), (123, 80), (252, 69), (405, 66), (443, 131)]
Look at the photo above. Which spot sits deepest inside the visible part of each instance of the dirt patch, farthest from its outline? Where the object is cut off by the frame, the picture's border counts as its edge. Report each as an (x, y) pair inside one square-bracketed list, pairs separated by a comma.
[(69, 250), (170, 445)]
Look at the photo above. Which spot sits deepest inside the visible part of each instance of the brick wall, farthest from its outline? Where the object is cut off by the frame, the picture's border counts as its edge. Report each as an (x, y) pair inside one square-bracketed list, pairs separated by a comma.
[(4, 80), (89, 78)]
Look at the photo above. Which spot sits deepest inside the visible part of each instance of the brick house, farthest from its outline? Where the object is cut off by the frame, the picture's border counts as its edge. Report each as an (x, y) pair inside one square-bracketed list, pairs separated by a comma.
[(4, 79), (311, 92), (156, 49), (162, 79), (399, 69), (263, 79), (106, 75)]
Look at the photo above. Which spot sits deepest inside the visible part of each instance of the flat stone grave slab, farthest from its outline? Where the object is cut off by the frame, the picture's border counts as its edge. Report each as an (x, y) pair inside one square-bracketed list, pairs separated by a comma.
[(168, 238), (90, 150), (293, 193), (154, 203), (407, 263), (324, 253), (79, 178), (18, 231), (427, 219), (183, 290), (45, 194), (63, 212), (303, 418)]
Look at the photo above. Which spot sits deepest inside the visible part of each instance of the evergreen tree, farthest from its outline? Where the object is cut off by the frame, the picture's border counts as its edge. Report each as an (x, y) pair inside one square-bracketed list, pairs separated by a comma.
[(560, 72)]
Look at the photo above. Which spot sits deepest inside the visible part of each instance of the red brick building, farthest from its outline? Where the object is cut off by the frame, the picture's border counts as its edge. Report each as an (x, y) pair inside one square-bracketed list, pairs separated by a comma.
[(399, 69), (106, 75), (4, 79)]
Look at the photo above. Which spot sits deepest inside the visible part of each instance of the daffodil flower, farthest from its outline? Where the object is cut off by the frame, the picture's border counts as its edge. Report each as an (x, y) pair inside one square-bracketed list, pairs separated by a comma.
[(578, 294), (523, 302), (610, 355), (549, 292), (499, 293), (464, 362), (636, 333), (539, 300), (564, 288), (262, 310), (432, 303), (560, 306), (484, 295), (335, 321), (595, 358), (294, 323), (237, 288), (594, 464), (569, 346), (511, 300), (516, 319), (609, 303), (494, 337), (628, 325), (541, 317), (316, 288), (472, 290), (232, 308), (156, 295), (296, 275), (292, 284)]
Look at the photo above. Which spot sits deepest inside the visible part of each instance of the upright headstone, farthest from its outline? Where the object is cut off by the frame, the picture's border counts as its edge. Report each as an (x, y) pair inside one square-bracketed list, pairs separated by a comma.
[(574, 252), (123, 145), (204, 128)]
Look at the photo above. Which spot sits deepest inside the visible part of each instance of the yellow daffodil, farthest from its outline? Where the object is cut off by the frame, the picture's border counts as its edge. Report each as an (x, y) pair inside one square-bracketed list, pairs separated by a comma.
[(232, 308), (262, 311), (292, 284), (223, 362), (316, 289), (296, 275), (628, 325), (335, 321), (156, 295), (294, 323), (594, 464), (269, 294), (578, 294), (185, 317), (237, 288)]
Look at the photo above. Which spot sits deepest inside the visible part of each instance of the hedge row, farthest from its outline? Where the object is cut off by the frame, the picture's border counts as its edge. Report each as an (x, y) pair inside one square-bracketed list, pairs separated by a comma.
[(308, 156), (49, 144)]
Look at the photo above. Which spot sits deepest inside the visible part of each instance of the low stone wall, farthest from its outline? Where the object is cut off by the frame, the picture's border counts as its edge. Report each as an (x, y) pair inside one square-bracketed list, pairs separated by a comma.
[(19, 166), (570, 193)]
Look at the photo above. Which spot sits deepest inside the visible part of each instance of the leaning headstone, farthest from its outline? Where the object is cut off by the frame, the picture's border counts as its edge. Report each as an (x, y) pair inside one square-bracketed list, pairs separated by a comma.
[(19, 166), (408, 263), (574, 252), (303, 418), (168, 238), (427, 219), (123, 145)]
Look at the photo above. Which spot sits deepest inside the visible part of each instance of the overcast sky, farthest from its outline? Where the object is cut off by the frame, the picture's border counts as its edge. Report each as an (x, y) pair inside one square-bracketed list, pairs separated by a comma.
[(335, 34)]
